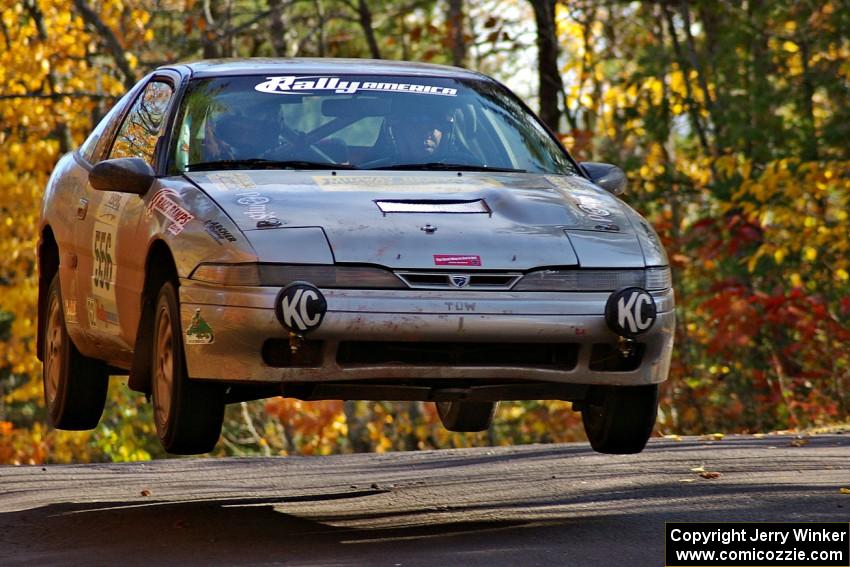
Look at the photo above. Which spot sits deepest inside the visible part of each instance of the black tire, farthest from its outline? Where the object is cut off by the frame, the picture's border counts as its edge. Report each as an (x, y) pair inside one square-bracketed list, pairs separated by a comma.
[(188, 414), (465, 417), (619, 419), (74, 385)]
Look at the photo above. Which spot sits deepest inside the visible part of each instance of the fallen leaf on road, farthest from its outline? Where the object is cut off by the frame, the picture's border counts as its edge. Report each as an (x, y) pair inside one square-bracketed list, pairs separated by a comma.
[(687, 480), (145, 492), (673, 437), (698, 469), (799, 442), (843, 490), (710, 474)]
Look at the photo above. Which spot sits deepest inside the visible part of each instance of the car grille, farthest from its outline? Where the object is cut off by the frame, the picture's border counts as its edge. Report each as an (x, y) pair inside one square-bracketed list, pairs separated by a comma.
[(460, 280), (560, 356)]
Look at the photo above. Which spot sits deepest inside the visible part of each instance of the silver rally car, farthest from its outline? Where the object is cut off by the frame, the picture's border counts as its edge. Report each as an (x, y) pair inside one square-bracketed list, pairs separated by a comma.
[(357, 230)]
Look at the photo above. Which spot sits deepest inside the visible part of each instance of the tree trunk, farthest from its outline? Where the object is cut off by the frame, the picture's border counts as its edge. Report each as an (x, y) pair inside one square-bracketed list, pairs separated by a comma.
[(217, 41), (276, 29), (365, 18), (63, 133), (108, 37), (320, 29), (810, 137), (693, 110), (551, 84), (456, 35), (358, 434)]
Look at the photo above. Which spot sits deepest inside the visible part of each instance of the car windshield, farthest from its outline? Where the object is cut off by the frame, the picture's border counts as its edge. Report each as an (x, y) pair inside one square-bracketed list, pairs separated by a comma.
[(359, 122)]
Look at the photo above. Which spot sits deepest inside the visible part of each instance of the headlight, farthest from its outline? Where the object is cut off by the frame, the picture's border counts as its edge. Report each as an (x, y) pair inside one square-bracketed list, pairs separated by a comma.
[(228, 274), (279, 275), (594, 280)]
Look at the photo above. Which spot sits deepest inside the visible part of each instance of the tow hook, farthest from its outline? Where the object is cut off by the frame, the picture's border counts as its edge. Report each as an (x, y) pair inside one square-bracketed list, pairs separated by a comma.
[(626, 347), (295, 342)]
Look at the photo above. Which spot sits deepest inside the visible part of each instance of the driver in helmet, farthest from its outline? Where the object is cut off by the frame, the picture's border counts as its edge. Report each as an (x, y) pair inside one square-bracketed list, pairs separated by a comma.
[(421, 135), (235, 137)]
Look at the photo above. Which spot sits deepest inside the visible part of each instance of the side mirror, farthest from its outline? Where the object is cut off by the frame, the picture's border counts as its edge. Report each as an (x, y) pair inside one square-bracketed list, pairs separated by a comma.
[(609, 177), (126, 175)]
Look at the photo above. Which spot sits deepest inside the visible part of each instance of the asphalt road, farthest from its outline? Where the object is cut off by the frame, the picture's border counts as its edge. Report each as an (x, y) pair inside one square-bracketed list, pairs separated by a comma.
[(525, 505)]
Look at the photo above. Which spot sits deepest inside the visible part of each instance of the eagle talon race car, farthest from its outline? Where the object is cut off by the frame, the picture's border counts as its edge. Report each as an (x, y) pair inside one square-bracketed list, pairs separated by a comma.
[(355, 230)]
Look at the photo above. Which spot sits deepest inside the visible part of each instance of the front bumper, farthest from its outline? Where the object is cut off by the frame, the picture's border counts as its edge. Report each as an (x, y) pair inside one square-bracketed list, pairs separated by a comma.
[(242, 319)]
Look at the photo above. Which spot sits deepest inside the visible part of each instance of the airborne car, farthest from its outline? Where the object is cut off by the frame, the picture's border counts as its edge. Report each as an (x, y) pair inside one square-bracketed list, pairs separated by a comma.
[(330, 229)]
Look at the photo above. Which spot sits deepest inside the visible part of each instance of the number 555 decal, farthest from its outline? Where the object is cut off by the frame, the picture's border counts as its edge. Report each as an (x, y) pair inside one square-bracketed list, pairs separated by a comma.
[(104, 268)]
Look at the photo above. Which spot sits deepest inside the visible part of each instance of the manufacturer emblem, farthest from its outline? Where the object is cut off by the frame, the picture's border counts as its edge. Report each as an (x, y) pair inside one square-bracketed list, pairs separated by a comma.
[(459, 280), (300, 307), (630, 312)]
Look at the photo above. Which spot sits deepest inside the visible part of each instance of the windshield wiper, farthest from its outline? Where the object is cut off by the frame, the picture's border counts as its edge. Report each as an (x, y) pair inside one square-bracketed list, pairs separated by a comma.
[(440, 166), (258, 163)]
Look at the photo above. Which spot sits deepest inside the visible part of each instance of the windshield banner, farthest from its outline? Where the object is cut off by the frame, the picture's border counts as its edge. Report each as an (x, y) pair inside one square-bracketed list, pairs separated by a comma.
[(314, 84)]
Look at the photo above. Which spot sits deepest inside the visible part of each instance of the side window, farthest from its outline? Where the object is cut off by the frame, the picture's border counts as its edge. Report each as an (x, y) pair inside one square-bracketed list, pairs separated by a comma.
[(144, 124), (104, 129)]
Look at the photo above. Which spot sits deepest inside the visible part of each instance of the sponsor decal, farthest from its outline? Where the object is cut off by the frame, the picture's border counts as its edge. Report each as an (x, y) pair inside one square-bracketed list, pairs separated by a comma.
[(300, 307), (257, 206), (218, 232), (315, 84), (456, 260), (108, 317), (231, 180), (630, 312), (586, 198), (70, 310), (91, 307), (199, 332), (165, 204), (459, 280), (100, 316), (402, 183), (594, 212), (113, 202)]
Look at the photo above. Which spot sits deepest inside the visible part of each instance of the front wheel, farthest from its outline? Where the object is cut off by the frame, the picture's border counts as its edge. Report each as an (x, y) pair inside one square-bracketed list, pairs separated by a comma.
[(74, 385), (188, 414), (619, 419), (464, 416)]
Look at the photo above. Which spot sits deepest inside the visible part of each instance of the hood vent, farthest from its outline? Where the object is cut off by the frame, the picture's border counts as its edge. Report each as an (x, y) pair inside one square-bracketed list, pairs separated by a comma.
[(477, 206)]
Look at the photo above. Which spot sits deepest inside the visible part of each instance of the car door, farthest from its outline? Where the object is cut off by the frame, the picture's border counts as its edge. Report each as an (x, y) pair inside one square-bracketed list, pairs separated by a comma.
[(109, 257)]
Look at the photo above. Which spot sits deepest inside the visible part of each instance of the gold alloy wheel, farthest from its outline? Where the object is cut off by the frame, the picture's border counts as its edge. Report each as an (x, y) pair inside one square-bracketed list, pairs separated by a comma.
[(164, 368), (54, 352)]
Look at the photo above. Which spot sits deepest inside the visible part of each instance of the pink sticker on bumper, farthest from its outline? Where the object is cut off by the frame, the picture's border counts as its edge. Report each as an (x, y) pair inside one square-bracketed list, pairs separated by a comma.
[(456, 260)]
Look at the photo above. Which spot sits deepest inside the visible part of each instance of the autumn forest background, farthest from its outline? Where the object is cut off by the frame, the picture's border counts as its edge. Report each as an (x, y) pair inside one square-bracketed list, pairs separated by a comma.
[(731, 119)]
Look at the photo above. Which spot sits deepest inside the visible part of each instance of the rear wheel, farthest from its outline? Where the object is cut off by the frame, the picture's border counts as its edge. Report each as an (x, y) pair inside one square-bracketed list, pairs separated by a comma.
[(464, 416), (188, 414), (619, 419), (74, 385)]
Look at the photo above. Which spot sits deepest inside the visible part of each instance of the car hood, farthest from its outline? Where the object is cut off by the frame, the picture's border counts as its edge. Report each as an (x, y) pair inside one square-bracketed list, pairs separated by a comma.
[(434, 219)]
